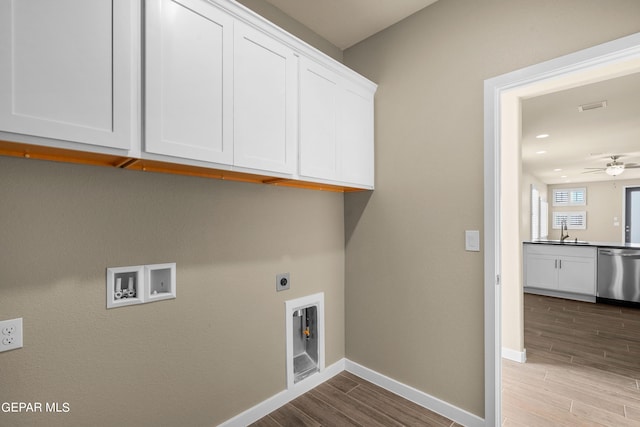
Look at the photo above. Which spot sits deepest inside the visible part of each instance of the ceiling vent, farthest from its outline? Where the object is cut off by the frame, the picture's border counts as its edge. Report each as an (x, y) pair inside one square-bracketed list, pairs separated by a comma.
[(592, 106)]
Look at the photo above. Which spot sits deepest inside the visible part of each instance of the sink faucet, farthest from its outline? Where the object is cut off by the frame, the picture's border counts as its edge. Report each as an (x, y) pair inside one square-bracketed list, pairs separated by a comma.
[(563, 229)]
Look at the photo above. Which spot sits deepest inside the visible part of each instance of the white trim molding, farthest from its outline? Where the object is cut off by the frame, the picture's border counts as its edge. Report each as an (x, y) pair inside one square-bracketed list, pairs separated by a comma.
[(516, 356), (418, 397), (264, 408), (421, 398)]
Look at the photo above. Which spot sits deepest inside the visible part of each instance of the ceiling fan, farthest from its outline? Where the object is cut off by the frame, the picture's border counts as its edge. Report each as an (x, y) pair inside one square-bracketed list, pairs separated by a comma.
[(614, 167)]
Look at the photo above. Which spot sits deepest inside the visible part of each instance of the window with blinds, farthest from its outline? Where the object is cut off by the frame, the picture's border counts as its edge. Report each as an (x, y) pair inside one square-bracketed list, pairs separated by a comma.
[(570, 197), (535, 212), (574, 220)]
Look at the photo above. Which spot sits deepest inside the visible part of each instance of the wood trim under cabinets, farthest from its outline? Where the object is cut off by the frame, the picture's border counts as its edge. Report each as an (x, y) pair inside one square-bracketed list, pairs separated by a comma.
[(29, 151)]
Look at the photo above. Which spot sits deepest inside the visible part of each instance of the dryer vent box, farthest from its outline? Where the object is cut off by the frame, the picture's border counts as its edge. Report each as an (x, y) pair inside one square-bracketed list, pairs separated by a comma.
[(161, 282)]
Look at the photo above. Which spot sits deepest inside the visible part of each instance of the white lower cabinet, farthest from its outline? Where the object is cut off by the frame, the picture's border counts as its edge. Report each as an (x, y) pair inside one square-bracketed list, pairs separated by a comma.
[(559, 268), (189, 81), (67, 70), (541, 271)]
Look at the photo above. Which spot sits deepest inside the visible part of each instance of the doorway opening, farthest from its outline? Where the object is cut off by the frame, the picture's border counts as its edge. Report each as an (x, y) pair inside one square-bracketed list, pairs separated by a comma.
[(503, 252)]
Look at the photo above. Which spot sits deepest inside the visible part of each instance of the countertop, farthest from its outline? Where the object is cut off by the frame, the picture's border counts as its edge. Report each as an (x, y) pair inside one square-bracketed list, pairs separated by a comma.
[(570, 242)]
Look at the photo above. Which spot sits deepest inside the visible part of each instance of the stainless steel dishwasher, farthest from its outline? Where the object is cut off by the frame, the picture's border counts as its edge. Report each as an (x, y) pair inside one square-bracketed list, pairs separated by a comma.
[(618, 275)]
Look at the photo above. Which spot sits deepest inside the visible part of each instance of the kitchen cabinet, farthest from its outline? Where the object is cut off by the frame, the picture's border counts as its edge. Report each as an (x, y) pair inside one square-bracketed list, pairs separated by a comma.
[(265, 102), (319, 112), (336, 126), (566, 269), (189, 81), (356, 135), (224, 93), (67, 72)]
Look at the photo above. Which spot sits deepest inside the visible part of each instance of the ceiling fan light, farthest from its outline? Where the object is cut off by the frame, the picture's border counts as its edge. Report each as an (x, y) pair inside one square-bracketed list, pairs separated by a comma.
[(614, 170)]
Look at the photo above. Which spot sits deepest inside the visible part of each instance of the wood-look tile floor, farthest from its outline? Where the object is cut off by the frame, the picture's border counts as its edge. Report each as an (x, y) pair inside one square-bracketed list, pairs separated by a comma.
[(582, 369), (348, 400)]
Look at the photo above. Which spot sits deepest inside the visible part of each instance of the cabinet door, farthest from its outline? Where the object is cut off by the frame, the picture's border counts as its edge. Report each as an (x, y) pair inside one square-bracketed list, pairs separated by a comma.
[(189, 80), (541, 271), (265, 102), (355, 136), (319, 95), (577, 275), (66, 70)]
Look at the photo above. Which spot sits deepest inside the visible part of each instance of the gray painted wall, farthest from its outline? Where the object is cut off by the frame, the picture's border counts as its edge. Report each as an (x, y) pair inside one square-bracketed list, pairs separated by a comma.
[(212, 353), (200, 359), (414, 297)]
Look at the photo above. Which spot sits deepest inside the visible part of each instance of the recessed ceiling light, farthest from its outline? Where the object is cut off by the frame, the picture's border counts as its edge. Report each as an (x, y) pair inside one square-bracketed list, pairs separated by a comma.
[(563, 176), (542, 136), (557, 170), (540, 152)]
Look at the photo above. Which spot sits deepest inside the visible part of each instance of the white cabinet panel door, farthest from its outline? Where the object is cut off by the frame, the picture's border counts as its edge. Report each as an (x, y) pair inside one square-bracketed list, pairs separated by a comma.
[(319, 95), (189, 80), (542, 271), (336, 127), (265, 102), (563, 268), (355, 136), (66, 70), (577, 275)]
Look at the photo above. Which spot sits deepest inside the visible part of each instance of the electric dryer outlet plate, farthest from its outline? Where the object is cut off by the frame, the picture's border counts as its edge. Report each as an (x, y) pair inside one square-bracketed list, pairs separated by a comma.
[(283, 282)]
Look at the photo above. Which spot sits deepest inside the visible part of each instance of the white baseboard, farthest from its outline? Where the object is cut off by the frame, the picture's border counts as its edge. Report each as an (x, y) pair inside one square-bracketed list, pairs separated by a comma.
[(516, 356), (565, 295), (264, 408), (425, 400)]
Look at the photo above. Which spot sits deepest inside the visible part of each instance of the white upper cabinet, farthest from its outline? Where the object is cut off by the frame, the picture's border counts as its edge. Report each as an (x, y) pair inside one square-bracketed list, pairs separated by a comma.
[(224, 89), (265, 102), (355, 136), (336, 127), (67, 70), (319, 110), (189, 80)]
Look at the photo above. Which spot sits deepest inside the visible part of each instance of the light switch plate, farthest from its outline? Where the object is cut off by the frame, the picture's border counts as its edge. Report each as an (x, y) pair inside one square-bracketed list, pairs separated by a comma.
[(472, 240)]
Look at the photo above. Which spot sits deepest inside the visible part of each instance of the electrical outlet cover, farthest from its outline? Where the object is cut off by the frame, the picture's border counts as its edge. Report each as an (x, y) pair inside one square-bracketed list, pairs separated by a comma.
[(10, 334), (283, 282)]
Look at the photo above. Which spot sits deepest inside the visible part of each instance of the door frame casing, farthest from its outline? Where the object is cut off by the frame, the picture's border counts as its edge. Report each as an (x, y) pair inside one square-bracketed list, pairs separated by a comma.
[(609, 60)]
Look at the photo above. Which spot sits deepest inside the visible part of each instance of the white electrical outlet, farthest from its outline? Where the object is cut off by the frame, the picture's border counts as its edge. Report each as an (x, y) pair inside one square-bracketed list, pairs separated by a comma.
[(10, 334)]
